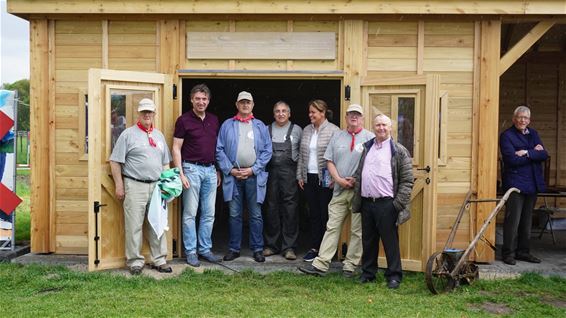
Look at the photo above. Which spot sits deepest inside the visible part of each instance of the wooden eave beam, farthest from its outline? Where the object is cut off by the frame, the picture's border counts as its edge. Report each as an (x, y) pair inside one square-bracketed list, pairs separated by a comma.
[(501, 7), (523, 45)]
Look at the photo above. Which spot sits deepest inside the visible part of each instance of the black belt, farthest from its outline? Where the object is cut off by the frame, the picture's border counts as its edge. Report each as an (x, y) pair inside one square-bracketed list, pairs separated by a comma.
[(138, 180), (204, 164), (377, 199)]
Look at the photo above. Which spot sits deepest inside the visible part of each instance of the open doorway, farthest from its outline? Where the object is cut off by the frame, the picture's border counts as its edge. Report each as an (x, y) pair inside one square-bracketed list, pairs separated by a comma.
[(538, 79), (266, 92)]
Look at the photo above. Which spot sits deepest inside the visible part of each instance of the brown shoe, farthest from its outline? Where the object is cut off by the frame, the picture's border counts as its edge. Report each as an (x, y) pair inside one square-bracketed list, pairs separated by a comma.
[(268, 252), (290, 255)]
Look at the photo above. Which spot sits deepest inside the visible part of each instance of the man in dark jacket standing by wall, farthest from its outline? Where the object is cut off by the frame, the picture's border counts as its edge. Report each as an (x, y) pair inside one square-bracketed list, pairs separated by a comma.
[(385, 177), (523, 153)]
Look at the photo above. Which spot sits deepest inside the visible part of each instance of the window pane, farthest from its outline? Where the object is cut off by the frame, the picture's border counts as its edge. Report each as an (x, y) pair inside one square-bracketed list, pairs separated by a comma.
[(406, 122), (117, 116), (123, 110)]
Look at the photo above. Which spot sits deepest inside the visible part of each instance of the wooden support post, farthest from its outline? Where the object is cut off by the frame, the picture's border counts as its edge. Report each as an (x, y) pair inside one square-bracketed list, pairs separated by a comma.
[(355, 48), (39, 127), (170, 60), (51, 133), (475, 127), (488, 133), (169, 63)]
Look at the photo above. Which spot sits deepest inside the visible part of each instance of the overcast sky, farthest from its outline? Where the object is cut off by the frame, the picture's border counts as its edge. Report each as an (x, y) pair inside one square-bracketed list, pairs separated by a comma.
[(14, 46)]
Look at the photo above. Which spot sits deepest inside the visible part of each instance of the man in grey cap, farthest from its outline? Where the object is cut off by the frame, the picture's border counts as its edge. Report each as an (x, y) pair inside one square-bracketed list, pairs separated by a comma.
[(343, 155), (243, 150), (137, 160)]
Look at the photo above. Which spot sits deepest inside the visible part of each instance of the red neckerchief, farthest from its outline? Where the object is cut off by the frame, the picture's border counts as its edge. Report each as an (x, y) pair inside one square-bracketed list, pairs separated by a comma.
[(244, 120), (148, 131), (354, 133)]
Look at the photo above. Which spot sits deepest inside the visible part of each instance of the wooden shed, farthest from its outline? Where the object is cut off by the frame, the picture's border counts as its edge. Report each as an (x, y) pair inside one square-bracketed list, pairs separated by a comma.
[(435, 67)]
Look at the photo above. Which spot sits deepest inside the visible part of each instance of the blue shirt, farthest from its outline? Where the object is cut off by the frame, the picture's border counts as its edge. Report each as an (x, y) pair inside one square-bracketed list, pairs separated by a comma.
[(226, 154)]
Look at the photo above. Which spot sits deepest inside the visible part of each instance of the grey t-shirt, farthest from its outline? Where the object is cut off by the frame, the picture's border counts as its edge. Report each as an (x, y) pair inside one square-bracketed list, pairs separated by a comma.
[(338, 151), (138, 158), (246, 147), (279, 134)]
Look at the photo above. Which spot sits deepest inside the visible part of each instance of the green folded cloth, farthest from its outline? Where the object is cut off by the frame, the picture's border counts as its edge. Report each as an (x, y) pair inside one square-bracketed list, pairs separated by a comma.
[(170, 184)]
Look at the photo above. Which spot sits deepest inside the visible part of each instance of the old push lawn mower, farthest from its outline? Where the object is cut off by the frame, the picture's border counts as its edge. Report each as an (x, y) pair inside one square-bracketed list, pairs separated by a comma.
[(448, 269)]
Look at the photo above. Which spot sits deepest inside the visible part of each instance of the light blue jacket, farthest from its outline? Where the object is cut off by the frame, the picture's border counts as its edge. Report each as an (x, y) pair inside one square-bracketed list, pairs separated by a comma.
[(226, 149)]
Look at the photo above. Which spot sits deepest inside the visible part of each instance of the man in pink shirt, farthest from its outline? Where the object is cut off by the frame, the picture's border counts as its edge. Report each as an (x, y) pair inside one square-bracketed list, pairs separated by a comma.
[(384, 192)]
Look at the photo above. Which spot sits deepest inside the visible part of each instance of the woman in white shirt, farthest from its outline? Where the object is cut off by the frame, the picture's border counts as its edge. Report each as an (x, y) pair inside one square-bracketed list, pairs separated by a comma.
[(312, 174)]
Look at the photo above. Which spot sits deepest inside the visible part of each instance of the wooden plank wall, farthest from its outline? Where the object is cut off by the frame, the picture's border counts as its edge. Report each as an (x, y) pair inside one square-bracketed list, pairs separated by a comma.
[(448, 50), (393, 49), (78, 46)]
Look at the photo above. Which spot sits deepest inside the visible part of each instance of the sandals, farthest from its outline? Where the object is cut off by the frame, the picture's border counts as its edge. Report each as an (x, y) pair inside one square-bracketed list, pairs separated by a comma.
[(164, 268)]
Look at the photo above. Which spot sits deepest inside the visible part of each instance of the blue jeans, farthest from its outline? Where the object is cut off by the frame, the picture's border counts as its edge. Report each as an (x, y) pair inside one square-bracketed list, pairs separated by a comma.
[(203, 191), (246, 189)]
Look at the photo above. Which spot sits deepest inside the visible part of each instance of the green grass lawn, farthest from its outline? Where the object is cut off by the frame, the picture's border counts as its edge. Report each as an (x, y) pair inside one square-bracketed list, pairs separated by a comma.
[(22, 150), (59, 292), (22, 211), (56, 291)]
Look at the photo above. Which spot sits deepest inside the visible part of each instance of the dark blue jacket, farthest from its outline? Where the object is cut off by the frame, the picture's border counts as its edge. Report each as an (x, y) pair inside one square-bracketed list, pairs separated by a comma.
[(523, 173)]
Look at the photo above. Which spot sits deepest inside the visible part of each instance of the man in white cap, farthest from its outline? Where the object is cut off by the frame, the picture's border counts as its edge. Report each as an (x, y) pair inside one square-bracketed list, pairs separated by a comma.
[(139, 156), (343, 155), (243, 150)]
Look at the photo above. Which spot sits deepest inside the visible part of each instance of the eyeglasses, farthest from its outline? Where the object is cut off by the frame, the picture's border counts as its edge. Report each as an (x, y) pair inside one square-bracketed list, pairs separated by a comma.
[(523, 117)]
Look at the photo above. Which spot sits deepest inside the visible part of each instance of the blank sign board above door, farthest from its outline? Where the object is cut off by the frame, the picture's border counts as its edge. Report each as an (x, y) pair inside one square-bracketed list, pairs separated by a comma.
[(262, 45)]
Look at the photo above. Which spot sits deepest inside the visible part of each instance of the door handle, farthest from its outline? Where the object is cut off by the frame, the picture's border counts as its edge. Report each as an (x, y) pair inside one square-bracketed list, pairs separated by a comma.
[(97, 206), (427, 169)]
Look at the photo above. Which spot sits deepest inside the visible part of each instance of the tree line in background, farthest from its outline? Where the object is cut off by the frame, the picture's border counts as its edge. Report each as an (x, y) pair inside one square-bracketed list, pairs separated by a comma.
[(22, 86)]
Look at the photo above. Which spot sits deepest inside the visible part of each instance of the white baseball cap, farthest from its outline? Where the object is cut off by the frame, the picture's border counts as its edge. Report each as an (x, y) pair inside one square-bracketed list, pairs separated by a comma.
[(355, 108), (147, 105), (245, 95)]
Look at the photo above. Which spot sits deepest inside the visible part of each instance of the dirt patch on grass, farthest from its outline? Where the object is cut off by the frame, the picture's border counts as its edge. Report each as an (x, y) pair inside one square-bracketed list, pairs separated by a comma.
[(558, 303), (486, 293), (494, 308)]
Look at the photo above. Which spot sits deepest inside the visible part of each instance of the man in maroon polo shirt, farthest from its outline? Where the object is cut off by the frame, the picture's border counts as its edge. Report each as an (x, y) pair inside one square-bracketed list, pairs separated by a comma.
[(194, 147)]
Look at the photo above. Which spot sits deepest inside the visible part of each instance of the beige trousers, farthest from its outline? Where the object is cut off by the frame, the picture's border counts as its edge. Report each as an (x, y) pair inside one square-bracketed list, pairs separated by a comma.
[(338, 209), (136, 202)]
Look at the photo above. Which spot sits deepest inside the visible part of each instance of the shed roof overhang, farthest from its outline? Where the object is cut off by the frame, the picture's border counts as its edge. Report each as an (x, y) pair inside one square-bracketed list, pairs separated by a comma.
[(26, 8)]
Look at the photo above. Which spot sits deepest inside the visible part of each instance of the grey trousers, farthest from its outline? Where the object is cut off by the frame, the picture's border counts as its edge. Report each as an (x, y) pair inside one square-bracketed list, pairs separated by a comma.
[(136, 202), (517, 224)]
